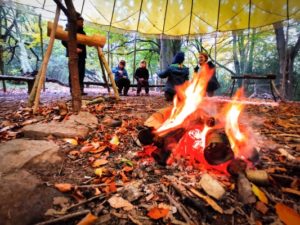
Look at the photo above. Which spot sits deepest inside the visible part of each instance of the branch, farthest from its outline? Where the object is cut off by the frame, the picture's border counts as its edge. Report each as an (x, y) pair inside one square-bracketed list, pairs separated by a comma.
[(62, 7), (220, 65)]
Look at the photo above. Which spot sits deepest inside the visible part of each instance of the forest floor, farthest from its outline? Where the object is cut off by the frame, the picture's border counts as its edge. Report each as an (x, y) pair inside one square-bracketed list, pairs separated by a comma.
[(108, 177)]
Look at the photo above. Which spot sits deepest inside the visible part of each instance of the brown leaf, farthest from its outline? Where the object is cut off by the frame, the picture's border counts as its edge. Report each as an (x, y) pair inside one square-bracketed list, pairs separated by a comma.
[(99, 162), (261, 207), (287, 215), (157, 213), (89, 219), (64, 187), (87, 148), (118, 202)]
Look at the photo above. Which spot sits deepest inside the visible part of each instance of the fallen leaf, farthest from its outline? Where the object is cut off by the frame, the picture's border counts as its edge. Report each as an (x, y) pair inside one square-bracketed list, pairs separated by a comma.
[(64, 187), (261, 207), (124, 177), (287, 215), (112, 187), (89, 219), (99, 172), (115, 140), (87, 148), (147, 150), (71, 141), (127, 168), (286, 154), (99, 162), (157, 213), (98, 150), (53, 212), (119, 202), (260, 195), (61, 201)]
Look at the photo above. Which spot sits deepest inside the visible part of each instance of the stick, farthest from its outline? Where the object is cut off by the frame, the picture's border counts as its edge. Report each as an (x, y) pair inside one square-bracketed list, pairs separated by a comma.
[(177, 205), (101, 196), (103, 73), (34, 97), (97, 185), (66, 217), (108, 70)]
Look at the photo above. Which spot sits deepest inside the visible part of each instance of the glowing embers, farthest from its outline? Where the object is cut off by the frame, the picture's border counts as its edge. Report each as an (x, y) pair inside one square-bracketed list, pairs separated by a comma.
[(202, 137)]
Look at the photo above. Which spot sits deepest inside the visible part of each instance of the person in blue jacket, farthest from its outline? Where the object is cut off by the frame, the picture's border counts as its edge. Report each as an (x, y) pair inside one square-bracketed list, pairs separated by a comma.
[(176, 74), (121, 78)]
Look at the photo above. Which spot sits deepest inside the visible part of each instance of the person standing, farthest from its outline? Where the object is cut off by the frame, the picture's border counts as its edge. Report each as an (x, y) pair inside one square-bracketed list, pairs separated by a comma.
[(176, 74), (142, 76), (121, 78), (81, 51), (213, 83)]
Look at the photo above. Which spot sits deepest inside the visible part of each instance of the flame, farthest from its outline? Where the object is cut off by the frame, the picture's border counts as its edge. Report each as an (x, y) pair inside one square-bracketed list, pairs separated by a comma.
[(187, 99), (236, 137)]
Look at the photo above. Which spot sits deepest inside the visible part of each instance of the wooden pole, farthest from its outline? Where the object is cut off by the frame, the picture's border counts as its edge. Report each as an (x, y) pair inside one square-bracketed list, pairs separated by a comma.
[(61, 34), (108, 70), (103, 73), (36, 90)]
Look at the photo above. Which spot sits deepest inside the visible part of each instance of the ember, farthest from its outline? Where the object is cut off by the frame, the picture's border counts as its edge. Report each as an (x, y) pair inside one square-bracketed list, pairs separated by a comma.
[(191, 131)]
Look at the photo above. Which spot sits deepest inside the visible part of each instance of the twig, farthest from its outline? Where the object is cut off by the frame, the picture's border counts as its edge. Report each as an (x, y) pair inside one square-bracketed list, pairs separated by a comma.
[(177, 205), (97, 185), (101, 196), (66, 217), (135, 221)]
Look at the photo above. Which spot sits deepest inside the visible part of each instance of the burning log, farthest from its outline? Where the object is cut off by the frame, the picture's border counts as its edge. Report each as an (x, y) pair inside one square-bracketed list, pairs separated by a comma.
[(217, 150)]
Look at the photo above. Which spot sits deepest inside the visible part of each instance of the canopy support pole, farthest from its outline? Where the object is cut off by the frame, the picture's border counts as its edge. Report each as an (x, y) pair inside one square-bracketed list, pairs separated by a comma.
[(108, 33), (109, 72), (34, 97), (103, 72)]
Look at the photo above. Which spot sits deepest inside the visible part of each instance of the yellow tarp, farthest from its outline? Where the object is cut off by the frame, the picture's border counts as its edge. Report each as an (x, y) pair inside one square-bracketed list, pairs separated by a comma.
[(178, 17)]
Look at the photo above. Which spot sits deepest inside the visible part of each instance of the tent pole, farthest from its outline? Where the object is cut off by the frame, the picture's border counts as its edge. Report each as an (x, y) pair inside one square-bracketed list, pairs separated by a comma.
[(163, 31), (82, 6), (34, 97), (108, 33), (134, 58), (109, 72), (137, 29)]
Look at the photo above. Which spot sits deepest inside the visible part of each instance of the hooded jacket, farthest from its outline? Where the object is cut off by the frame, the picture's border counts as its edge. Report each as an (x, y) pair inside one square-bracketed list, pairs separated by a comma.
[(176, 75)]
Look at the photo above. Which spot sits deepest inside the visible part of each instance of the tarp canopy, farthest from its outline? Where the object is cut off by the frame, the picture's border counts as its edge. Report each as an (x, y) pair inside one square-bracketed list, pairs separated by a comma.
[(177, 17)]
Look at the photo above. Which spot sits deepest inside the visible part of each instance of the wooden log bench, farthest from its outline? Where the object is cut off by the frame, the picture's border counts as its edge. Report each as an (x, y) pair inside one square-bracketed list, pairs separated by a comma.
[(28, 80), (269, 77)]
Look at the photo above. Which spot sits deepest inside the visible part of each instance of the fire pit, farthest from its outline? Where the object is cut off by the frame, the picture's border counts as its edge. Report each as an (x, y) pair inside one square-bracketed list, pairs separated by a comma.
[(192, 130)]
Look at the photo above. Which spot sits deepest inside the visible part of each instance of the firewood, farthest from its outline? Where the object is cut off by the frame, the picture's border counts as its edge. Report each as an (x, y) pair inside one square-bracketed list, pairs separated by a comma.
[(244, 189), (259, 177), (179, 207), (211, 186), (237, 169), (217, 150)]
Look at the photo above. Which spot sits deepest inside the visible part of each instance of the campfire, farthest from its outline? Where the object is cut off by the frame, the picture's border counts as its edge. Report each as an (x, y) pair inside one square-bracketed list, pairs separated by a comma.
[(195, 131)]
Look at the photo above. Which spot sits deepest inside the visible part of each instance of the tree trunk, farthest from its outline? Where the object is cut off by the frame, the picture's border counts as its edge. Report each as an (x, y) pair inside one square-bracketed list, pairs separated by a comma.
[(73, 57), (235, 56), (286, 60), (168, 48)]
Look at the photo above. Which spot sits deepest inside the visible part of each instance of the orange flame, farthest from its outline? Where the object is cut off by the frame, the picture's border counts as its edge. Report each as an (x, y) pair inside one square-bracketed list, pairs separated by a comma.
[(236, 137), (187, 99)]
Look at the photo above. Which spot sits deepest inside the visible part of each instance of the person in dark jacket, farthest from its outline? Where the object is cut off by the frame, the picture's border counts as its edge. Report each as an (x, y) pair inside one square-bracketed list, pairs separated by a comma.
[(81, 51), (142, 76), (177, 74), (213, 83), (121, 78)]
